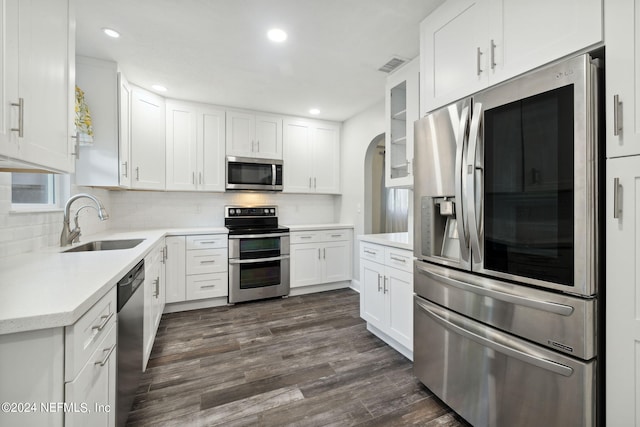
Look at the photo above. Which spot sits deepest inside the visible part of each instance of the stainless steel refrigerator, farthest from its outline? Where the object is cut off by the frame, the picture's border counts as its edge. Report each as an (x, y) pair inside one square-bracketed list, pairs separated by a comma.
[(506, 236)]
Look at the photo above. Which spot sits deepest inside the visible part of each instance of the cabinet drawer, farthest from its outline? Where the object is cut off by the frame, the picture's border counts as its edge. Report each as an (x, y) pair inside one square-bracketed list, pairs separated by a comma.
[(372, 252), (207, 241), (201, 286), (335, 235), (95, 385), (207, 261), (398, 258), (83, 337), (305, 237)]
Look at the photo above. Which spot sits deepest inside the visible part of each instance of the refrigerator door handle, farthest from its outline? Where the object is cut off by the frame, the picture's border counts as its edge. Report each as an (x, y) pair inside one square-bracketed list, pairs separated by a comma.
[(473, 221), (546, 306), (461, 145), (479, 333)]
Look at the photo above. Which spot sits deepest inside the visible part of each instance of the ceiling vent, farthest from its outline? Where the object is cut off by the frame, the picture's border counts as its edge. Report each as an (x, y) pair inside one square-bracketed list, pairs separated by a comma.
[(392, 64)]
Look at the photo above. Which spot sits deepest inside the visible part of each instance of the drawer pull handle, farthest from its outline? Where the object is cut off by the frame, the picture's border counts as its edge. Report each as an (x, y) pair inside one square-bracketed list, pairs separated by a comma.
[(305, 237), (207, 286), (336, 235), (207, 242), (211, 261), (370, 252), (106, 358), (105, 320), (402, 260)]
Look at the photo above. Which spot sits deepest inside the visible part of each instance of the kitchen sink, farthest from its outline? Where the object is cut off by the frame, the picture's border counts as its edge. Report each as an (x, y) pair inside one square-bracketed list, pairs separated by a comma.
[(106, 245)]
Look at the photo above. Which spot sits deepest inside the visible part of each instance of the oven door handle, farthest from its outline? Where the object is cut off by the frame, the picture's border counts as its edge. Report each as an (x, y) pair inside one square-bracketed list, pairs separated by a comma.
[(258, 260), (257, 236)]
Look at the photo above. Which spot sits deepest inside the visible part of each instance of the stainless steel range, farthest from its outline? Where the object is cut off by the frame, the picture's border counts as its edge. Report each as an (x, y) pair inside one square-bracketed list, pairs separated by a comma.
[(258, 253)]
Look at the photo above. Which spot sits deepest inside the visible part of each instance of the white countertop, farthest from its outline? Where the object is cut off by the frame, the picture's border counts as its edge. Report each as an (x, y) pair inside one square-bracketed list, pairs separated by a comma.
[(49, 288), (396, 240), (311, 227)]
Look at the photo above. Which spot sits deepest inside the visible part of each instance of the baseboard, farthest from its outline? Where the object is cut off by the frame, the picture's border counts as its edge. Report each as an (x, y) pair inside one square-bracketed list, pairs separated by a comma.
[(312, 289), (391, 342), (195, 305), (355, 285)]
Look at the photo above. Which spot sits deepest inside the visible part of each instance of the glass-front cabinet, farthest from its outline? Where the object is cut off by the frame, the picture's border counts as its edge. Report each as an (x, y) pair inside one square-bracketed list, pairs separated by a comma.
[(401, 110)]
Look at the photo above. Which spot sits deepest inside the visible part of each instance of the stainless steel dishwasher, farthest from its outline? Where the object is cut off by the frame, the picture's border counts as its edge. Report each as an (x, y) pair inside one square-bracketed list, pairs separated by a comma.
[(130, 326)]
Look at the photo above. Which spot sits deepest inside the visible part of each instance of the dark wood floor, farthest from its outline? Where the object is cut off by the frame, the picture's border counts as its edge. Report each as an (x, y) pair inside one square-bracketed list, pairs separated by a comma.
[(304, 361)]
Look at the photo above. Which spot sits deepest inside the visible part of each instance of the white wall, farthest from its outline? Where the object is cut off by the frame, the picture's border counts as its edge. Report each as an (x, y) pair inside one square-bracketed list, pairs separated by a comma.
[(357, 134)]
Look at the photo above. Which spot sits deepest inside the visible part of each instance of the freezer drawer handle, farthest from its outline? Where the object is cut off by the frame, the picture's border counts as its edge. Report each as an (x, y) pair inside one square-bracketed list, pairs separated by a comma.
[(549, 365), (550, 307)]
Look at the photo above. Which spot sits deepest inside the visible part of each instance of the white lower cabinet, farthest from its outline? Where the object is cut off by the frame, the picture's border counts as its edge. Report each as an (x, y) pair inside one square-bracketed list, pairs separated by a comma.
[(175, 268), (197, 267), (93, 392), (319, 257), (622, 322), (90, 365), (386, 294), (154, 297)]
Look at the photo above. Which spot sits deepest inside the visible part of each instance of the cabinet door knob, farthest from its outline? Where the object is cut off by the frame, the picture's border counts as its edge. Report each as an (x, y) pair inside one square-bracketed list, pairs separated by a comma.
[(478, 61), (616, 198), (106, 358), (20, 128), (617, 127)]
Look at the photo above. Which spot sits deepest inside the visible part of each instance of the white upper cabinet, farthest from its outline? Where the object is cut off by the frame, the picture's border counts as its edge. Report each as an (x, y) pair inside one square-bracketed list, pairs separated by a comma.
[(471, 44), (622, 27), (254, 135), (527, 34), (452, 42), (311, 156), (105, 162), (401, 110), (147, 140), (195, 147), (38, 94), (181, 146), (124, 131)]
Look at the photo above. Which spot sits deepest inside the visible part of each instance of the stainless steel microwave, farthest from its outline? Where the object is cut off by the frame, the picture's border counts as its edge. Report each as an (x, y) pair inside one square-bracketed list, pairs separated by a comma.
[(247, 173)]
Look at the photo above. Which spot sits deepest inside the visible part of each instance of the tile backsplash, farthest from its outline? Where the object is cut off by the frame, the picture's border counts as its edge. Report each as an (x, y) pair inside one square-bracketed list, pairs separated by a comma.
[(22, 232), (147, 209), (129, 210)]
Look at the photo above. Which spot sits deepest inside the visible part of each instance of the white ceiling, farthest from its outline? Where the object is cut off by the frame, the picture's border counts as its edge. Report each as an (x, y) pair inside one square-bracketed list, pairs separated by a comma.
[(216, 51)]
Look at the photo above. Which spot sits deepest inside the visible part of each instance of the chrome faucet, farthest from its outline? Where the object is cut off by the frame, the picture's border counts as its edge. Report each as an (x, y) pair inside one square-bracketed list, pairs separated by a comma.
[(69, 236)]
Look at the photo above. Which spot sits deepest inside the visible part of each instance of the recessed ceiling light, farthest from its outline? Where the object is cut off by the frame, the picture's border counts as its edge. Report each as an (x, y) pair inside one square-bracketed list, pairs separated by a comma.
[(277, 35), (314, 111), (159, 88), (111, 33)]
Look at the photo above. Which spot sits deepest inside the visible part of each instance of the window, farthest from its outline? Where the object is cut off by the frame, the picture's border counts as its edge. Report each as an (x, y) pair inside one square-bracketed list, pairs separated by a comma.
[(35, 191)]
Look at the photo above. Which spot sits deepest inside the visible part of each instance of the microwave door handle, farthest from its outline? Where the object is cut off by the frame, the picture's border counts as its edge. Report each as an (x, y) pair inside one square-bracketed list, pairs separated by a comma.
[(461, 223), (473, 219), (273, 174)]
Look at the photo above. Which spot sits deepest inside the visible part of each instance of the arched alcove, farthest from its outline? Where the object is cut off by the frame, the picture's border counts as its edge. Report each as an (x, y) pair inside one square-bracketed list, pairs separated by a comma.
[(386, 210)]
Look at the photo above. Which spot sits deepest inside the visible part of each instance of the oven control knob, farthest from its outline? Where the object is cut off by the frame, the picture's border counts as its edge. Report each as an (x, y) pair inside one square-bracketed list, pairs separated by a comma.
[(273, 211), (266, 211), (232, 211)]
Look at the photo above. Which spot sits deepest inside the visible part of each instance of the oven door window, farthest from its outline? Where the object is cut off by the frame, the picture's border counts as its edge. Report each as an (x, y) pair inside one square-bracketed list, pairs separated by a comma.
[(253, 248), (259, 274), (528, 188), (250, 173)]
